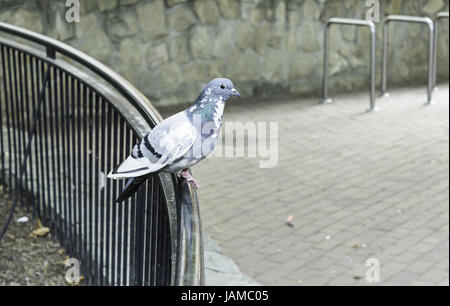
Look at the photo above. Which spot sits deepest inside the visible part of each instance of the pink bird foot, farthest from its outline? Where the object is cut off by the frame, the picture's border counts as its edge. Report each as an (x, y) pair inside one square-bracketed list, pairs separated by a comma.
[(185, 174)]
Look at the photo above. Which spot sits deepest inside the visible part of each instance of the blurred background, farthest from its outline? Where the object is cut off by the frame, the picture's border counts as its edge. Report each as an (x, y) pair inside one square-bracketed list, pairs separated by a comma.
[(169, 49)]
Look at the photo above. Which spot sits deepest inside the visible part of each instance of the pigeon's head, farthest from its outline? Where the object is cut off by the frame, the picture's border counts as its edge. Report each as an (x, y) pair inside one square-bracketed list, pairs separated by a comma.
[(220, 87)]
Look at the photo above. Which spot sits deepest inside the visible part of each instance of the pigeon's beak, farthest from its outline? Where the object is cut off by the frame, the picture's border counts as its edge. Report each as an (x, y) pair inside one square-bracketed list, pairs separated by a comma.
[(234, 92)]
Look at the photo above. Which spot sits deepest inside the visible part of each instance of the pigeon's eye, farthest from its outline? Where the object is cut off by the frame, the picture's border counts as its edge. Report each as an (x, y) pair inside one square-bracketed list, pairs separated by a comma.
[(223, 86)]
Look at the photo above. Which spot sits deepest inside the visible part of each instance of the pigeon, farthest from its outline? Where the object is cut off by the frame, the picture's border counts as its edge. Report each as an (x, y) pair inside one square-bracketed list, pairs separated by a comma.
[(178, 142)]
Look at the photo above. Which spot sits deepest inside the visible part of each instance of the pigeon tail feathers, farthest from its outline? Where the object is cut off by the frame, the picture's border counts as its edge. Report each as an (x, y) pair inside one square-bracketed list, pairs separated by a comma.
[(131, 188), (134, 167)]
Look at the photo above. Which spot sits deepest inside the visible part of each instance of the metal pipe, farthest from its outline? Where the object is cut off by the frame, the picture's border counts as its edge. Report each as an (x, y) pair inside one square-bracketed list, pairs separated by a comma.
[(439, 16), (356, 22), (373, 56), (409, 19), (326, 56)]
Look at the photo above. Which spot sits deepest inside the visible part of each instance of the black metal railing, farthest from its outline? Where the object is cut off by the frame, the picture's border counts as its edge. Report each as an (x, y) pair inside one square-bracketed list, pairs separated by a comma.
[(66, 121)]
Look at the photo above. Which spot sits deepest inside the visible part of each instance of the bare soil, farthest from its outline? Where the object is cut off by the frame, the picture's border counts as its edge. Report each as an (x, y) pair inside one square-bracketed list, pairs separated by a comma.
[(26, 260)]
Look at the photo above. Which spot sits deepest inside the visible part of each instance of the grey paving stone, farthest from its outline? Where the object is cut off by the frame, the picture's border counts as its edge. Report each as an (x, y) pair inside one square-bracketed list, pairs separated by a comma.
[(403, 278), (221, 270)]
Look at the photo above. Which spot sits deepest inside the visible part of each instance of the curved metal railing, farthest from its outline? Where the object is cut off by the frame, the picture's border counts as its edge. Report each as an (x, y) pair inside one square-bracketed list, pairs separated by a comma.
[(82, 119)]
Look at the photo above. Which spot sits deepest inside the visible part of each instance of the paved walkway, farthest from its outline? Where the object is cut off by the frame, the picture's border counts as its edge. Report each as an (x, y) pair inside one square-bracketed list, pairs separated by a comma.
[(221, 270), (357, 185)]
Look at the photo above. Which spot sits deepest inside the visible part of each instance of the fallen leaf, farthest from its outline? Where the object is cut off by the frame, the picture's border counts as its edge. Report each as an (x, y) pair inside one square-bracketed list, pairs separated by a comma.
[(75, 283), (289, 221), (41, 231)]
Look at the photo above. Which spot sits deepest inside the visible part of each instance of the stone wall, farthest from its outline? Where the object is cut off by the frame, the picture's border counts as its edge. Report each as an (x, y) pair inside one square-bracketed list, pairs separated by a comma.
[(170, 48)]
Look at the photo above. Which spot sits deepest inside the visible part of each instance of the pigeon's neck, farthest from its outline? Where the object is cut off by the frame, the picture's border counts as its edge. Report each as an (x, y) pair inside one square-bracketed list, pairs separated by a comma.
[(209, 108), (207, 105)]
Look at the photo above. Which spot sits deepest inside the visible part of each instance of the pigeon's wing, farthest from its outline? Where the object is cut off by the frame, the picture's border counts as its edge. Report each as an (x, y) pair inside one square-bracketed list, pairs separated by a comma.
[(167, 142), (172, 140)]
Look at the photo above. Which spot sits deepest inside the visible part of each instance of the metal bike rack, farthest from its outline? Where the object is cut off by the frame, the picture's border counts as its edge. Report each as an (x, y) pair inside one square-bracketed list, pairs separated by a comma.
[(439, 17), (356, 22), (410, 19)]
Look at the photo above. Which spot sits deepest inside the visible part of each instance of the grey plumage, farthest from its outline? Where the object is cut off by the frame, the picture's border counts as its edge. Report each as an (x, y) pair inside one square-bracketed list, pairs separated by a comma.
[(180, 141)]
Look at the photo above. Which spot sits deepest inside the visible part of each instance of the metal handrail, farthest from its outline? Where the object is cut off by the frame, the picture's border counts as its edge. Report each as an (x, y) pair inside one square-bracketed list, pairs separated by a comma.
[(409, 19), (356, 22), (439, 17), (191, 271)]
